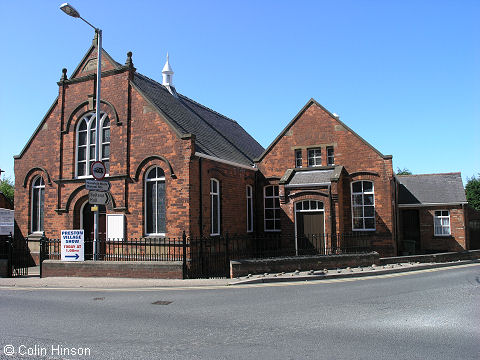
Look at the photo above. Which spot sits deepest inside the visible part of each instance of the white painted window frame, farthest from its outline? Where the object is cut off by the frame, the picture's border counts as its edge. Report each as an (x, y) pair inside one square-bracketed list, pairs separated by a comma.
[(89, 117), (362, 206), (314, 154), (214, 203), (249, 197), (265, 197), (330, 158), (37, 188), (441, 217), (156, 180), (298, 158)]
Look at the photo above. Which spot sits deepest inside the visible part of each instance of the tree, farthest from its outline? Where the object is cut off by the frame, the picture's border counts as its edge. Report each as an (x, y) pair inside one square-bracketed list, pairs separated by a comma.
[(472, 190), (7, 187), (404, 171)]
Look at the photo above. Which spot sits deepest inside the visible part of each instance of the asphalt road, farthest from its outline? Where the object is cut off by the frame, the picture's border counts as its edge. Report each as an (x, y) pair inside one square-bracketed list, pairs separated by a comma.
[(426, 315)]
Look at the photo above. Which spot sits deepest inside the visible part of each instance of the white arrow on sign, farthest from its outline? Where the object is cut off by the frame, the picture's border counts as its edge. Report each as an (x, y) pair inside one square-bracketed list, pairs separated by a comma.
[(97, 185), (97, 197)]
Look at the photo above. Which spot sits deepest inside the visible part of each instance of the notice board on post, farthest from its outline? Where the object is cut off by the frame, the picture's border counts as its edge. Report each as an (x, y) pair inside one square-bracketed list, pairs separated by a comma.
[(115, 227), (7, 222), (72, 245)]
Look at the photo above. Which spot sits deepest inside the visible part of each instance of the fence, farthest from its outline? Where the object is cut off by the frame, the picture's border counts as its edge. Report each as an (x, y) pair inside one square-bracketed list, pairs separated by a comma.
[(17, 254), (210, 256)]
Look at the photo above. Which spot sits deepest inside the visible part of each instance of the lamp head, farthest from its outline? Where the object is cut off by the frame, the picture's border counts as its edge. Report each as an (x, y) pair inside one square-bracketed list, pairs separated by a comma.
[(69, 10)]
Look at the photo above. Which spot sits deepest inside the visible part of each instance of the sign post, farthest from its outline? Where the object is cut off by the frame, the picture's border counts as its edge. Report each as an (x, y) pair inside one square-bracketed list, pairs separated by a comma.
[(97, 185), (72, 245), (98, 170), (98, 167), (97, 197)]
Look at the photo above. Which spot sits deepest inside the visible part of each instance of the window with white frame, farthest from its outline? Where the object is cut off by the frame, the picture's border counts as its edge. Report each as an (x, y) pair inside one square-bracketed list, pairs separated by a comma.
[(441, 222), (315, 157), (330, 156), (215, 207), (85, 149), (298, 158), (308, 206), (155, 217), (363, 206), (37, 201), (249, 195), (272, 208)]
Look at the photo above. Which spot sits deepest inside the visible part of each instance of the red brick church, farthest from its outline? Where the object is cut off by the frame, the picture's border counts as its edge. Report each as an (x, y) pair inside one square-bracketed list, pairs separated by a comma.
[(175, 165)]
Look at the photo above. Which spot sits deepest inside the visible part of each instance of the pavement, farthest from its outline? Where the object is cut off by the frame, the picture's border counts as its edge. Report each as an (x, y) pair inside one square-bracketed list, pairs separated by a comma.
[(34, 281)]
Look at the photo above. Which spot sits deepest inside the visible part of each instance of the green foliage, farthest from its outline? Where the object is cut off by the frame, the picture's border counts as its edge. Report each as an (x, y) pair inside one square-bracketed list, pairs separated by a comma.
[(404, 171), (472, 190), (7, 187)]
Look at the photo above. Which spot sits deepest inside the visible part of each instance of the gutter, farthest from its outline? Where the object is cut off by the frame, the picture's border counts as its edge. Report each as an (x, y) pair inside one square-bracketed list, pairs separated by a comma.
[(213, 158), (430, 204), (293, 186)]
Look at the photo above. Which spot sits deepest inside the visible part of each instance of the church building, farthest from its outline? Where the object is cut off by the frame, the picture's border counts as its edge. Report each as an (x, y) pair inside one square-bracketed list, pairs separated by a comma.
[(175, 165)]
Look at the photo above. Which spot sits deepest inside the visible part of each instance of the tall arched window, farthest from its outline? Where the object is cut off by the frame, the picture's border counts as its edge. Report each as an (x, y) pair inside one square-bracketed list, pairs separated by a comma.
[(85, 154), (37, 201), (155, 220), (363, 206), (215, 206), (249, 195)]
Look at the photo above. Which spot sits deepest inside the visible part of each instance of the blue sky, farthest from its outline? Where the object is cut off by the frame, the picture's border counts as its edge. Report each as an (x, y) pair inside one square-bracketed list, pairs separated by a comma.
[(405, 75)]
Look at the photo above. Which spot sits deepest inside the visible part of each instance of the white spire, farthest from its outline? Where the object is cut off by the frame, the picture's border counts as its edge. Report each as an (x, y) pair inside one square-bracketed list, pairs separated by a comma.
[(167, 74)]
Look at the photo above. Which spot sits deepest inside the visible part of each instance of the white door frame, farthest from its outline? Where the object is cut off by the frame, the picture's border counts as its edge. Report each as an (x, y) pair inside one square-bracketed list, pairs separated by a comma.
[(306, 211)]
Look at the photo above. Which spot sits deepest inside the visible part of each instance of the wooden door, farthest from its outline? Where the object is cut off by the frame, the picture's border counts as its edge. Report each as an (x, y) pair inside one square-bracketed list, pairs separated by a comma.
[(310, 232)]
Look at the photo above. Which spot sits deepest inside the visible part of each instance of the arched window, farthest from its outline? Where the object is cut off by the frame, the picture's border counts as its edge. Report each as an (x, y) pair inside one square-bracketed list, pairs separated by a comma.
[(215, 206), (249, 194), (85, 151), (155, 221), (363, 206), (37, 201)]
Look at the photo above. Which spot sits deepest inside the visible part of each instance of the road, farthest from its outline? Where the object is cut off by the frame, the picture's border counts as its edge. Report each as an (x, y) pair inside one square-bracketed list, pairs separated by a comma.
[(425, 315)]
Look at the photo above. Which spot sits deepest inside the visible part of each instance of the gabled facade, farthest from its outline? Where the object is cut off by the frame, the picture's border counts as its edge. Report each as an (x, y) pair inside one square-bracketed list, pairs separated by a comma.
[(169, 160), (177, 166), (318, 160)]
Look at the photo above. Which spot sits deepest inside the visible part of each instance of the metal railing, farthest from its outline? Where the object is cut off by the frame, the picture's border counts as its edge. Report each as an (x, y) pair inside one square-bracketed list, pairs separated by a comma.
[(17, 254), (210, 256)]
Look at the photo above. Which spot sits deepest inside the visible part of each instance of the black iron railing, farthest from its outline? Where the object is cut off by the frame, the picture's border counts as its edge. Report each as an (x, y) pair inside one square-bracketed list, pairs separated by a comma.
[(210, 256), (17, 254), (142, 249)]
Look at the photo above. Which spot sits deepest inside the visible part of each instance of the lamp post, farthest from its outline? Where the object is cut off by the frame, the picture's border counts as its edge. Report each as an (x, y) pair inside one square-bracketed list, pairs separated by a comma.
[(71, 11)]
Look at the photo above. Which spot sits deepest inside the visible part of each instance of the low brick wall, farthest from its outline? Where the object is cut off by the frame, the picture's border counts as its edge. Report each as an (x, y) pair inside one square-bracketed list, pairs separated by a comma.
[(439, 257), (301, 263), (125, 269)]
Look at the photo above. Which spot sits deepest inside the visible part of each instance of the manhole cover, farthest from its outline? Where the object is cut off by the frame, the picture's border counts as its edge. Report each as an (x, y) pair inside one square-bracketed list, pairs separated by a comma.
[(161, 302)]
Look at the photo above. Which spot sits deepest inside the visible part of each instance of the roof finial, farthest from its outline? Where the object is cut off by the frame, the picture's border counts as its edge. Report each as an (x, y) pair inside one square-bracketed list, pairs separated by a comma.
[(167, 73), (64, 75), (129, 61)]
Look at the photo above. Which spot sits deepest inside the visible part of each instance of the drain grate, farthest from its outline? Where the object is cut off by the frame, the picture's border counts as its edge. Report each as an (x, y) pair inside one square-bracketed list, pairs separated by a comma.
[(161, 302), (99, 298)]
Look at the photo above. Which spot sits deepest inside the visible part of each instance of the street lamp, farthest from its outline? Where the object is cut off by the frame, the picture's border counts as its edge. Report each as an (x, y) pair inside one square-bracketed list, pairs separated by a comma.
[(71, 11)]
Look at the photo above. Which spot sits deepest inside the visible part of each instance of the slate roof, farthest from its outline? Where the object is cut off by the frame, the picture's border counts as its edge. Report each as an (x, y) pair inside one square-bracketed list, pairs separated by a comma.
[(304, 177), (215, 134), (311, 177), (430, 189)]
